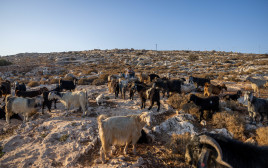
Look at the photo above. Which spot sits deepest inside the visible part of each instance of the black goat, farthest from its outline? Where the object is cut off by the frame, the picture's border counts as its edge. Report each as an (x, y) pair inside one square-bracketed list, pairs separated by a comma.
[(144, 138), (215, 150), (199, 81), (67, 85), (48, 103), (151, 77), (233, 96), (146, 92), (20, 87), (32, 93), (169, 86), (211, 104)]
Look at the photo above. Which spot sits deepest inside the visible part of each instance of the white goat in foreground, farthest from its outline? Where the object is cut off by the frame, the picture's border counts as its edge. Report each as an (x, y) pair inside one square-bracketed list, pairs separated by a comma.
[(120, 130), (23, 106), (68, 99)]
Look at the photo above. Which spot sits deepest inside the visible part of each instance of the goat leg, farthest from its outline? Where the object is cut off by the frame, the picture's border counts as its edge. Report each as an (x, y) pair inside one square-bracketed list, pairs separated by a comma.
[(125, 149), (152, 104), (158, 104), (201, 115)]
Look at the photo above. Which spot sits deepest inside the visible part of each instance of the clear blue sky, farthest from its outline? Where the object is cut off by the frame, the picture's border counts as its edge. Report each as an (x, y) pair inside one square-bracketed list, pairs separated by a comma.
[(72, 25)]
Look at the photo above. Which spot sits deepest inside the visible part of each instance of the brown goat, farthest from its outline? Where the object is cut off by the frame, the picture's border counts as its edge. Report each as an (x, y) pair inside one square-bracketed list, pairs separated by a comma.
[(212, 89)]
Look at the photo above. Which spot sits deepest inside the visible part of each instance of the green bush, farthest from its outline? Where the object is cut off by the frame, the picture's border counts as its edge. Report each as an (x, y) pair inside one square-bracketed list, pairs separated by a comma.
[(1, 151), (4, 62), (193, 58), (64, 137)]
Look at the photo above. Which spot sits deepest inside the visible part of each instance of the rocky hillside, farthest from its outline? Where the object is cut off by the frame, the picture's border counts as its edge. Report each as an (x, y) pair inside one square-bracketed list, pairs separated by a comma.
[(59, 140)]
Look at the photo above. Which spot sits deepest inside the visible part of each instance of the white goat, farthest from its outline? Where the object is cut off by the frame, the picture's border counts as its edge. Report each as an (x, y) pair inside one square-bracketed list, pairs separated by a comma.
[(68, 99), (120, 130), (23, 106), (100, 99)]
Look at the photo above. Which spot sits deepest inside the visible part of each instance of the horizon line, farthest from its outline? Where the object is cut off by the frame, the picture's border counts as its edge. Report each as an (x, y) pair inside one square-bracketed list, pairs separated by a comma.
[(129, 49)]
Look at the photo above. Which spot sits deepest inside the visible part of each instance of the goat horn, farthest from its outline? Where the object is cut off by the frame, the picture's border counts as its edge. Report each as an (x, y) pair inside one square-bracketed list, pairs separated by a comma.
[(210, 141)]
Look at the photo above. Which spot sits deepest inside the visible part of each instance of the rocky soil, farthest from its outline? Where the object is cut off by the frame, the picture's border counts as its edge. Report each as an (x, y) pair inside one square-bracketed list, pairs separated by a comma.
[(57, 140)]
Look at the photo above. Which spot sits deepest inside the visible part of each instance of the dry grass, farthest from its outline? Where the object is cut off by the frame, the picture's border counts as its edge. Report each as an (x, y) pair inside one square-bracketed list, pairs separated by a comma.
[(233, 122), (104, 77), (33, 84), (177, 100), (44, 82), (98, 82), (54, 81), (84, 81), (88, 72), (233, 105), (262, 135), (177, 143), (193, 58), (191, 108)]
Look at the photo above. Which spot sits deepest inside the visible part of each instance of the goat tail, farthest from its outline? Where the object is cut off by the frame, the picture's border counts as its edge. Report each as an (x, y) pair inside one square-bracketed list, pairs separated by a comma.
[(100, 119)]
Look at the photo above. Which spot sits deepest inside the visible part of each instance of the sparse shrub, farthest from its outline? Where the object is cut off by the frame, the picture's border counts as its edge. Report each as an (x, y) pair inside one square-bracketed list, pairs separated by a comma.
[(233, 105), (1, 151), (193, 58), (98, 82), (262, 135), (233, 78), (74, 124), (84, 81), (191, 108), (33, 84), (64, 137), (44, 82), (176, 100), (43, 135), (54, 81), (88, 72), (4, 62), (234, 123), (177, 143), (104, 77)]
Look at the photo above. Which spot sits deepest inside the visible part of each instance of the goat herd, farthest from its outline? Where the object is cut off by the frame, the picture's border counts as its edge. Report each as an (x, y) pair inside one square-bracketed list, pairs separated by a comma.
[(205, 150)]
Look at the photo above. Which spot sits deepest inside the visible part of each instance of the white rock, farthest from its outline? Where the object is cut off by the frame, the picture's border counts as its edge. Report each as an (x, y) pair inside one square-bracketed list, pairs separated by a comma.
[(223, 131)]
